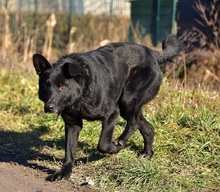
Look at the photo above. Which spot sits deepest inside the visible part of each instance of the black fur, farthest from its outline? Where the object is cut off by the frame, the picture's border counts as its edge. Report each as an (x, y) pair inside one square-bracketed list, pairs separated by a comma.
[(99, 85)]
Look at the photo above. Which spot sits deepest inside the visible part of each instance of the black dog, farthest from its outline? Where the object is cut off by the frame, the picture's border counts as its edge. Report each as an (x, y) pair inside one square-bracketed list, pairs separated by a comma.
[(99, 85)]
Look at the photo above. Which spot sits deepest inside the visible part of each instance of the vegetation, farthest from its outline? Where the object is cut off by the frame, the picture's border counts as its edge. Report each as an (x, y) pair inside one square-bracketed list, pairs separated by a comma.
[(202, 58), (186, 119), (187, 145)]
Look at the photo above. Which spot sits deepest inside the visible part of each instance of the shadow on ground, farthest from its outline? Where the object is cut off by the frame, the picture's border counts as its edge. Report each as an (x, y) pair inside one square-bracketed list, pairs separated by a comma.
[(19, 148)]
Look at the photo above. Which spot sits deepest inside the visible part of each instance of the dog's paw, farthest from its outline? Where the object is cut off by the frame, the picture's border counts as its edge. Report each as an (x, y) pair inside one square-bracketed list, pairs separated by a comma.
[(60, 175), (147, 155), (119, 144)]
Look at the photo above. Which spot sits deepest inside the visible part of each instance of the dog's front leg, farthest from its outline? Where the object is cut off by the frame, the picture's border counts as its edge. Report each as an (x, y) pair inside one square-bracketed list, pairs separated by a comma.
[(72, 129), (105, 144)]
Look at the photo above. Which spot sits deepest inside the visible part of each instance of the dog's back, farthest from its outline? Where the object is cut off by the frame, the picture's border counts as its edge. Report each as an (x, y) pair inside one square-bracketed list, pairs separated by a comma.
[(114, 65)]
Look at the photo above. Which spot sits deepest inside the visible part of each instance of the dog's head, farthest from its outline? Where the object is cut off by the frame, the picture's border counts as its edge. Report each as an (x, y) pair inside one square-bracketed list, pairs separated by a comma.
[(60, 84)]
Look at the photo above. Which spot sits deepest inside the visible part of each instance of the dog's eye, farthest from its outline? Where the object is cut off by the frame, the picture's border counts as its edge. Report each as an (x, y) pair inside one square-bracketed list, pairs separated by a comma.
[(62, 87)]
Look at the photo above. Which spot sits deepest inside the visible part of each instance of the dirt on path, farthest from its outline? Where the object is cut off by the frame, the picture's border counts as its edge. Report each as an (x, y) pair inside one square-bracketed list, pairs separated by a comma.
[(19, 178)]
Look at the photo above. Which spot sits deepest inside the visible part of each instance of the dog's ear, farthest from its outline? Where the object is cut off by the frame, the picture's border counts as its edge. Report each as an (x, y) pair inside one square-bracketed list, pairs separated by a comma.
[(74, 68), (40, 63)]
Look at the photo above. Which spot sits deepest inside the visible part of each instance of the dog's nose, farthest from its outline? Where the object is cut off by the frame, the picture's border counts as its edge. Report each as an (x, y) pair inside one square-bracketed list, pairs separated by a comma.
[(49, 108)]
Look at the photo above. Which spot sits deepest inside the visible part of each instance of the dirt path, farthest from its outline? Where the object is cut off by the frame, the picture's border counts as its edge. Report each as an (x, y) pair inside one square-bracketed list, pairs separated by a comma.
[(18, 178)]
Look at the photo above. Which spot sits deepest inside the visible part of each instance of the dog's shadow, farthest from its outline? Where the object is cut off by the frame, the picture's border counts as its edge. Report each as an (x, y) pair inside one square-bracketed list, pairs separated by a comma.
[(20, 147)]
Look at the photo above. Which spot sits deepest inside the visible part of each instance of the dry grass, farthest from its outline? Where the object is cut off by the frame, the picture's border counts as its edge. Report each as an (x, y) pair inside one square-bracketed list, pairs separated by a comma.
[(209, 20), (203, 47), (51, 36)]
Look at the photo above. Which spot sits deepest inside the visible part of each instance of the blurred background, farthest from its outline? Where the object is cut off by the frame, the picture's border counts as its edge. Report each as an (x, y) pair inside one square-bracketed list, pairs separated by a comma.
[(57, 27)]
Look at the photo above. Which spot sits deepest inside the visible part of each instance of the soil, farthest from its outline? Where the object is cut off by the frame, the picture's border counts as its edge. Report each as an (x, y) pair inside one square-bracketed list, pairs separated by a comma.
[(17, 177)]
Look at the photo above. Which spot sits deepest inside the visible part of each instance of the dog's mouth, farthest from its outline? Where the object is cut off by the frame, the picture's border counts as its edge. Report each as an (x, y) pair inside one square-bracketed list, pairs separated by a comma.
[(54, 111), (51, 111), (46, 110), (50, 108)]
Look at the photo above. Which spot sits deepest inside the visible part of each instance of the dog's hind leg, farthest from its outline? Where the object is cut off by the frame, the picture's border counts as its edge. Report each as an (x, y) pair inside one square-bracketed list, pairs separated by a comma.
[(147, 131), (129, 110), (139, 90), (131, 127)]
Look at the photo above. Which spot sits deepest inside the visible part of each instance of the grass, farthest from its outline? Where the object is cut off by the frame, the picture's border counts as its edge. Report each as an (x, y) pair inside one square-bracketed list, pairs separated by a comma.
[(187, 144)]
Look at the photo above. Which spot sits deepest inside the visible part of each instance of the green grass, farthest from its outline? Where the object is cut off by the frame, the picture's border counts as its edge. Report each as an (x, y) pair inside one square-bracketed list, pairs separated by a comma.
[(187, 139)]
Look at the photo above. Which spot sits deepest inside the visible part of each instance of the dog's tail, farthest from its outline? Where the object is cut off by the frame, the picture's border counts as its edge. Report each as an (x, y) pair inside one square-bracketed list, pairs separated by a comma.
[(171, 47)]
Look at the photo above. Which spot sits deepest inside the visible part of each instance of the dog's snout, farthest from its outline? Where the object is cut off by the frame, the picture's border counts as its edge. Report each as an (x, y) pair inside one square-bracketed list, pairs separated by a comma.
[(50, 108)]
